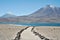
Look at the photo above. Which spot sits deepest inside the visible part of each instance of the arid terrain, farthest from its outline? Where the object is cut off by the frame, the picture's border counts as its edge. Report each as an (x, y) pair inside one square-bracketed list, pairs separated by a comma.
[(9, 32), (51, 32)]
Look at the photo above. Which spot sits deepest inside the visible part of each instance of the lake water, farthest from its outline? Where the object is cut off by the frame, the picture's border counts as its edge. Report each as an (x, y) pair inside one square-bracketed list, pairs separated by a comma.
[(32, 24)]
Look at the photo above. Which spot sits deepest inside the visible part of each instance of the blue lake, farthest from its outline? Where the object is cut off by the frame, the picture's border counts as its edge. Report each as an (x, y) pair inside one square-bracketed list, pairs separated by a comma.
[(32, 24)]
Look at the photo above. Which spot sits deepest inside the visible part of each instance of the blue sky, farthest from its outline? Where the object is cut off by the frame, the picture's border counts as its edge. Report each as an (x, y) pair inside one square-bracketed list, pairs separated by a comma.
[(24, 7)]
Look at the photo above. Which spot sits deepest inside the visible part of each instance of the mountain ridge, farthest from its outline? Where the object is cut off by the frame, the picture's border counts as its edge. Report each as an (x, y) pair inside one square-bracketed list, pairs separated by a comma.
[(8, 15), (45, 14)]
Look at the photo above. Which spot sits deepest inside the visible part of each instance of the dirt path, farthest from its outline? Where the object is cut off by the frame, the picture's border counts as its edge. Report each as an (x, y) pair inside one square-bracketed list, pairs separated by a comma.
[(28, 35)]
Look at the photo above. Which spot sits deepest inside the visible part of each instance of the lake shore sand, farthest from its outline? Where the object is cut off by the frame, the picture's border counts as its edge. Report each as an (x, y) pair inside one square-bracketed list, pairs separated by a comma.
[(8, 31)]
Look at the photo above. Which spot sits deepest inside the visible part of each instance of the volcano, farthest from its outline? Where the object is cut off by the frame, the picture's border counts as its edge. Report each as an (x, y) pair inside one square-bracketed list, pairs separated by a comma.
[(48, 11)]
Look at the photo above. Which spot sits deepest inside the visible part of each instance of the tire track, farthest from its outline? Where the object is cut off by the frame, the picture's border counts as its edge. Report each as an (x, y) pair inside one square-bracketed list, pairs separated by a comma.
[(25, 34), (19, 34)]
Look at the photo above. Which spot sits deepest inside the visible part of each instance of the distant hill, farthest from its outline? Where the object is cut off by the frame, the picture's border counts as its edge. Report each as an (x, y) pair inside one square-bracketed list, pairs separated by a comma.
[(8, 16), (49, 13)]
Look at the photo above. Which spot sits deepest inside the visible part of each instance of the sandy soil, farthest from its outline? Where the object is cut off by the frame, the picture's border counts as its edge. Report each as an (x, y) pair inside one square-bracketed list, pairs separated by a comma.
[(8, 32), (52, 33)]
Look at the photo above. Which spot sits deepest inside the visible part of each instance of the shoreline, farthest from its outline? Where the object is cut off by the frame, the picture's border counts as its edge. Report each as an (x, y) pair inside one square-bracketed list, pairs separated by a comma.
[(34, 24)]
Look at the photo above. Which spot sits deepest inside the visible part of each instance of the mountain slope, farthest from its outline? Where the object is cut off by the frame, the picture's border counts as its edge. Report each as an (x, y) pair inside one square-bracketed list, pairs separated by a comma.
[(8, 16), (48, 11)]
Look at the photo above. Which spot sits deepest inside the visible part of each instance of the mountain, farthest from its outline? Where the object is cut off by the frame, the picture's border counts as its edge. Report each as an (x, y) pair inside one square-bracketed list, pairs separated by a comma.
[(49, 13), (8, 16)]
